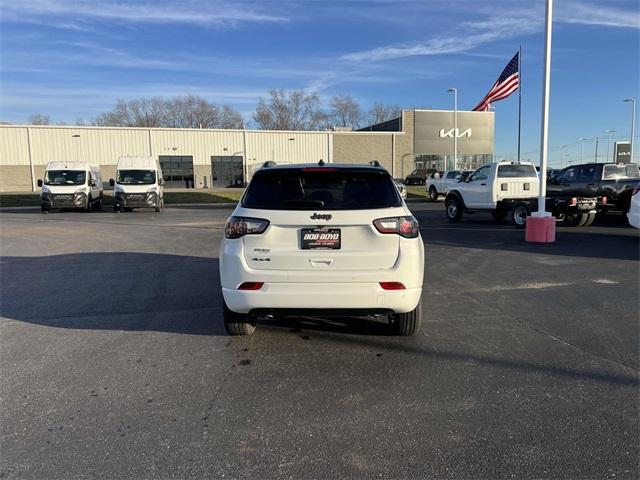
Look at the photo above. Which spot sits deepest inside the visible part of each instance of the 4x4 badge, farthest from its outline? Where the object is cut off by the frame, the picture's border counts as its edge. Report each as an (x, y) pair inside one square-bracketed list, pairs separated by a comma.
[(321, 216)]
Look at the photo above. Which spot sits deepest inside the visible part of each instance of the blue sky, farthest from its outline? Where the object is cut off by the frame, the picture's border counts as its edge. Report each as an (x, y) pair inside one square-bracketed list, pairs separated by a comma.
[(73, 59)]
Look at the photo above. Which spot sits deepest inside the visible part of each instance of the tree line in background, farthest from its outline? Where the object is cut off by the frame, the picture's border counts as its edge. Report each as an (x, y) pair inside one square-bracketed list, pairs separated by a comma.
[(291, 110)]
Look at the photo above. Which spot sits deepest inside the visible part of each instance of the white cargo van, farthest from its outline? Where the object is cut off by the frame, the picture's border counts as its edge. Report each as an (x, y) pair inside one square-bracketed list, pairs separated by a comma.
[(138, 184), (70, 185)]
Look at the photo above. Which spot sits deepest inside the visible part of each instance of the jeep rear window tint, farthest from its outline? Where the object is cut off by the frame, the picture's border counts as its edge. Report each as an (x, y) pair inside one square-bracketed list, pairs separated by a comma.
[(297, 189), (516, 171), (629, 170)]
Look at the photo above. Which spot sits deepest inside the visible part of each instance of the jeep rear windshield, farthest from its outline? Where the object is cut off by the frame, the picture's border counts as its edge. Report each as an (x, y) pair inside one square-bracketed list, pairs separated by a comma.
[(630, 170), (516, 171), (321, 188), (64, 177), (136, 177)]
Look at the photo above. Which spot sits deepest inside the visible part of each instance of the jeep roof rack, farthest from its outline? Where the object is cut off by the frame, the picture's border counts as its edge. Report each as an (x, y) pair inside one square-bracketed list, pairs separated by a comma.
[(268, 163), (375, 163)]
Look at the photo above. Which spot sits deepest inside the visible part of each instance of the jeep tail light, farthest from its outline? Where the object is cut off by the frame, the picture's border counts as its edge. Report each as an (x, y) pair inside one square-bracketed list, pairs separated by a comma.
[(392, 286), (603, 200), (250, 286), (237, 227), (404, 226), (574, 202), (636, 190)]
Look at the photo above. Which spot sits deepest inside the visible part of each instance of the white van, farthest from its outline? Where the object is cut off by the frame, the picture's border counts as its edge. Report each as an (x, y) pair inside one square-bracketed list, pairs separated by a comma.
[(138, 184), (70, 185)]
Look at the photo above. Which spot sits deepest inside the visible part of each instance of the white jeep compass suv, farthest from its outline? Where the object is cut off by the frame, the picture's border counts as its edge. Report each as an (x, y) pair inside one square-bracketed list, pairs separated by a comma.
[(321, 239)]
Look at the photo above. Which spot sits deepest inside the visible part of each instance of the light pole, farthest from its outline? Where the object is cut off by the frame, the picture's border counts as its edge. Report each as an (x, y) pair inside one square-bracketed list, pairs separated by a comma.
[(582, 149), (609, 132), (455, 126), (562, 155), (633, 123)]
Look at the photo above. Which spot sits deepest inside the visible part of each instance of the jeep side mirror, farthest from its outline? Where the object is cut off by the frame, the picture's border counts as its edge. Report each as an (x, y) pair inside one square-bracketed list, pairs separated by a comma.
[(111, 182), (39, 182), (92, 183), (161, 182)]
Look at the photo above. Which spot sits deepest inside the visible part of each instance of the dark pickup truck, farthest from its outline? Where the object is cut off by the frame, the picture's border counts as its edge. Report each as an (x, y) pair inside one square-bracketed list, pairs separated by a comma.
[(615, 181)]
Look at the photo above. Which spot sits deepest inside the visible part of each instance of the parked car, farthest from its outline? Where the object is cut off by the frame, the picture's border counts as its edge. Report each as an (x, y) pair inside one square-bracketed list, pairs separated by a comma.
[(417, 177), (401, 188), (634, 210), (613, 181), (440, 183), (138, 184), (509, 188), (324, 240), (70, 185)]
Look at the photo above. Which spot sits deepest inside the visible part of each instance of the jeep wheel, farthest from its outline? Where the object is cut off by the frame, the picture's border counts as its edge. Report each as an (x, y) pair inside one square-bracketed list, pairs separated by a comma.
[(237, 323), (519, 215), (433, 194), (453, 207), (407, 324)]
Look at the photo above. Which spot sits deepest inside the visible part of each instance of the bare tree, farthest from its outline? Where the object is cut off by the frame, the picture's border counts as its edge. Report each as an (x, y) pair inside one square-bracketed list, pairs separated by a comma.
[(231, 118), (141, 112), (345, 111), (381, 113), (39, 119), (292, 110), (190, 111)]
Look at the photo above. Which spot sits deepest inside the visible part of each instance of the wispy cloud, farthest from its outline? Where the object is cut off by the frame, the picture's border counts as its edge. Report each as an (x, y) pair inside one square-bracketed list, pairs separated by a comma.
[(483, 32), (469, 36), (590, 14), (205, 13)]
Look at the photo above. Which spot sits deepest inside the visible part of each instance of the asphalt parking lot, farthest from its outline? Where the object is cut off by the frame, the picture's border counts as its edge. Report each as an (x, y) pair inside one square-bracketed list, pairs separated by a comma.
[(115, 363)]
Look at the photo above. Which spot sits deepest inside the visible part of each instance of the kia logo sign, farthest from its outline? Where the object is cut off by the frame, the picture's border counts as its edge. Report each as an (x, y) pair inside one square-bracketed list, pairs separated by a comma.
[(444, 133)]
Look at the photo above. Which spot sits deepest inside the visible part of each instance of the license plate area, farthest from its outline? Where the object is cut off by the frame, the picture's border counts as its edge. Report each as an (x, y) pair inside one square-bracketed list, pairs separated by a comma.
[(320, 238)]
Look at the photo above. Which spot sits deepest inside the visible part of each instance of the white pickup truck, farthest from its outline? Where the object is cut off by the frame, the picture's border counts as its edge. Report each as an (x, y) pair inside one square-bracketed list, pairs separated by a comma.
[(440, 183), (504, 188)]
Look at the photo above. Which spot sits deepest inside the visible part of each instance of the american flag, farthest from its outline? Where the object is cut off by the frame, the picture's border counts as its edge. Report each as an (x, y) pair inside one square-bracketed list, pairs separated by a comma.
[(507, 83)]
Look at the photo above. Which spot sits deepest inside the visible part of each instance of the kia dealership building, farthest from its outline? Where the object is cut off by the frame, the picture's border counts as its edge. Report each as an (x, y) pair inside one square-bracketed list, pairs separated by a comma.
[(204, 158)]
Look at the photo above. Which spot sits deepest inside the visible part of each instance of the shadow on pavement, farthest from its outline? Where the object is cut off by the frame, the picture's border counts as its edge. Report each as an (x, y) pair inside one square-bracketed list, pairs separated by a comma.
[(480, 232), (114, 291)]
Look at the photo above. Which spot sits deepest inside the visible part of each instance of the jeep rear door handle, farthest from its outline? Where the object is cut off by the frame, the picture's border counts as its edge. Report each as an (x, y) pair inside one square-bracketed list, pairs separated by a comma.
[(483, 184)]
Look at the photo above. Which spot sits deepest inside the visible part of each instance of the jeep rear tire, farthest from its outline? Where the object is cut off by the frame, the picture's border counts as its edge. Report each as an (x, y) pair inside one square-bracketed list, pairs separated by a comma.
[(407, 324), (453, 208), (237, 323)]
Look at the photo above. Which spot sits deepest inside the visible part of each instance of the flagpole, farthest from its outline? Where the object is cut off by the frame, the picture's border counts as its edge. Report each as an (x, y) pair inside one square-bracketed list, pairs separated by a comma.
[(519, 98)]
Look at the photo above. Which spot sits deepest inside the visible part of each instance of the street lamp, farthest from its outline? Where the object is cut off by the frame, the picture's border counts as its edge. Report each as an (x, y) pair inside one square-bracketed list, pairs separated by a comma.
[(609, 132), (582, 149), (455, 126), (633, 123)]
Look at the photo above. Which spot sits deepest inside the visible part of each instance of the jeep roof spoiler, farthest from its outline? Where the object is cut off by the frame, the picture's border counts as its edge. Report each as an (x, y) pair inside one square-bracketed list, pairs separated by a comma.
[(268, 163), (375, 163)]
